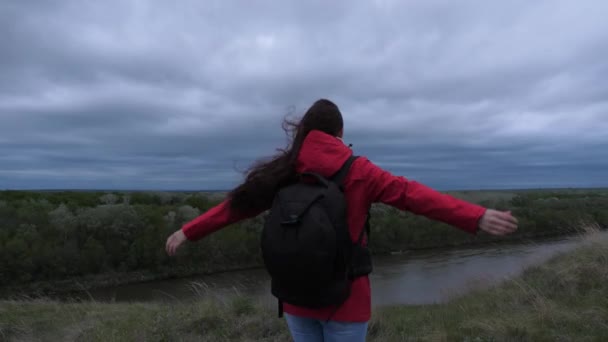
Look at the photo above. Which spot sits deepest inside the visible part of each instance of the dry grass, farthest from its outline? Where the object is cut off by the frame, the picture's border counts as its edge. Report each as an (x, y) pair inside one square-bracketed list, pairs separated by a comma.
[(565, 299)]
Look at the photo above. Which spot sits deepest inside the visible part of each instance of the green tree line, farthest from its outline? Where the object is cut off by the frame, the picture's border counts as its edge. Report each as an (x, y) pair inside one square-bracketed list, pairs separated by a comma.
[(46, 236)]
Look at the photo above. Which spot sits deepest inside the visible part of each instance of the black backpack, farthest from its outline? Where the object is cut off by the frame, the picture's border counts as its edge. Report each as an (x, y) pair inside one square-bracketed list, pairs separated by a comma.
[(306, 245)]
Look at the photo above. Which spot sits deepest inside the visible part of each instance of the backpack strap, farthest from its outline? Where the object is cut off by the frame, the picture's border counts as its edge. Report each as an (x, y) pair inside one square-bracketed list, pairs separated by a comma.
[(280, 302), (366, 229), (340, 175), (339, 178)]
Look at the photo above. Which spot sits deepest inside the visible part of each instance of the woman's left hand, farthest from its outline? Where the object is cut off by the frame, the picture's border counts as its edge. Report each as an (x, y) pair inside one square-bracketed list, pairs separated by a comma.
[(174, 241), (498, 222)]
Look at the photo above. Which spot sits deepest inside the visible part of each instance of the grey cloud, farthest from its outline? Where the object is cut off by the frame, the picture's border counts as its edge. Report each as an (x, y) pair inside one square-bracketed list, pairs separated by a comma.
[(133, 94)]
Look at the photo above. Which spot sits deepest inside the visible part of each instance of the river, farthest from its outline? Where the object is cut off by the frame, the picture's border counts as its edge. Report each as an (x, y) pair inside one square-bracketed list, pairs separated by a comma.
[(421, 277)]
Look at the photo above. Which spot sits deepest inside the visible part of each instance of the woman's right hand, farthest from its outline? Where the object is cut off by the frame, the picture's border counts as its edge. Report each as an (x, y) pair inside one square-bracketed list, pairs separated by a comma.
[(498, 222), (174, 242)]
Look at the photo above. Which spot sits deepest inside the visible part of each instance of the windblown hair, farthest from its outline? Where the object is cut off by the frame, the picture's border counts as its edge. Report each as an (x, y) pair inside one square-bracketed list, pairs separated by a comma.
[(265, 178)]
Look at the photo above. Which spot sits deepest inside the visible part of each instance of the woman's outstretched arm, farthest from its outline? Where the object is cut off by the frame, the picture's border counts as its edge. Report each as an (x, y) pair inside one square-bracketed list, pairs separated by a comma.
[(420, 199), (209, 222)]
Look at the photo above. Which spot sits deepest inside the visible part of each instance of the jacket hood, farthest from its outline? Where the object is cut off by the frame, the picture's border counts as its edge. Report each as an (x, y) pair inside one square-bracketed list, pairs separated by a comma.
[(322, 153)]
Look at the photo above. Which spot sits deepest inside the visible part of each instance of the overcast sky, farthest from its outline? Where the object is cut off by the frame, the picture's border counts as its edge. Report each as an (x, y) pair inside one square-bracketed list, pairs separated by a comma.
[(132, 94)]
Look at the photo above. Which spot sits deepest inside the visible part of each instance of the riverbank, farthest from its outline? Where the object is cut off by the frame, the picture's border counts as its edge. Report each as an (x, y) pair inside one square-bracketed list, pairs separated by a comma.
[(564, 299), (77, 285), (80, 286)]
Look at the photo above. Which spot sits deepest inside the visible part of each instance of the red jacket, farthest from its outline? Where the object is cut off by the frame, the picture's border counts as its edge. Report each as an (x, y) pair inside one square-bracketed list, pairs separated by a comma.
[(365, 184)]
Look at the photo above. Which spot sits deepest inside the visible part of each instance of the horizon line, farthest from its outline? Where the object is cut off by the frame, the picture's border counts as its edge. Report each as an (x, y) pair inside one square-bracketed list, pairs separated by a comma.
[(228, 190)]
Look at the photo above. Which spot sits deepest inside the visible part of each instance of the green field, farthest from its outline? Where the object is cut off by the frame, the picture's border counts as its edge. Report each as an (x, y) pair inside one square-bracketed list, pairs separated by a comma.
[(565, 299)]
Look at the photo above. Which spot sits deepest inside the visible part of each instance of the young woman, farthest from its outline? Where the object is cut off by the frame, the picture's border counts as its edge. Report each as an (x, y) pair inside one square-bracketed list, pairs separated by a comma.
[(317, 147)]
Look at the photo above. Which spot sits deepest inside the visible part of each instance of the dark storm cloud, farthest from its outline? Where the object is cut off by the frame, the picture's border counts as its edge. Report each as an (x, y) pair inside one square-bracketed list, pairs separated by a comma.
[(136, 94)]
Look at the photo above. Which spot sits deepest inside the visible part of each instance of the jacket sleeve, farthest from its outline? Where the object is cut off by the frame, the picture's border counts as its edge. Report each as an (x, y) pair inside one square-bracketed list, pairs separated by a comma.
[(419, 199), (215, 219)]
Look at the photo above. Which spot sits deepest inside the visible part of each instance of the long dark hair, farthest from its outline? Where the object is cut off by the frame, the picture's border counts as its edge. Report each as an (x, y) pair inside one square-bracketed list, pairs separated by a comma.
[(265, 177)]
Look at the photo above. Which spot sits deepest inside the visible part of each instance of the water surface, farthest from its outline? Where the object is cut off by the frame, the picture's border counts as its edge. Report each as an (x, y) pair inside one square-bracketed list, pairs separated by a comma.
[(425, 277)]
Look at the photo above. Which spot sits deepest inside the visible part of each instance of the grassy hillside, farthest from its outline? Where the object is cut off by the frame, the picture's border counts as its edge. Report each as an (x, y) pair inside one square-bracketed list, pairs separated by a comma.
[(565, 299)]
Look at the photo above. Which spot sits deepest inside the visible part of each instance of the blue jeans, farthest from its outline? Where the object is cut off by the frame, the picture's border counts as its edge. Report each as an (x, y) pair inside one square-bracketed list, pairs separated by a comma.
[(313, 330)]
